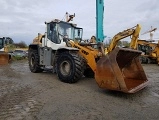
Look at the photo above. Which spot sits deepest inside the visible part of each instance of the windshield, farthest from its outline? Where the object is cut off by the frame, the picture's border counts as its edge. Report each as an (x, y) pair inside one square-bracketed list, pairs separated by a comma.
[(69, 31), (66, 30)]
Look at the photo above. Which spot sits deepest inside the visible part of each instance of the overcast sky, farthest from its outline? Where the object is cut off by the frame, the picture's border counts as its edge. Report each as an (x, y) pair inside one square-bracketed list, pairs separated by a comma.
[(22, 20)]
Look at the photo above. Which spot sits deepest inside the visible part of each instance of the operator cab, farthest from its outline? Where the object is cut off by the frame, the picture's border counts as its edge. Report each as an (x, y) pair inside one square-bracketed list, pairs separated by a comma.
[(146, 50), (58, 32), (1, 44)]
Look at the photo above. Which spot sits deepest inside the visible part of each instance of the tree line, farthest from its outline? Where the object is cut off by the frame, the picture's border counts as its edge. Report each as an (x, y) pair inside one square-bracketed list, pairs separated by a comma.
[(10, 41)]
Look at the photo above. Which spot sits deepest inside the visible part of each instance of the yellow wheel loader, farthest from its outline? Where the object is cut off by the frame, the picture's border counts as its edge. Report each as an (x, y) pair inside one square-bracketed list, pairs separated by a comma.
[(4, 56), (149, 51), (156, 52), (63, 48)]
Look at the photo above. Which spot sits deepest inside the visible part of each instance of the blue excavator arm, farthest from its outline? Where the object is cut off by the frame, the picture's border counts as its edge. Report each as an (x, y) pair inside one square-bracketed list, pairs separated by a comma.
[(99, 20)]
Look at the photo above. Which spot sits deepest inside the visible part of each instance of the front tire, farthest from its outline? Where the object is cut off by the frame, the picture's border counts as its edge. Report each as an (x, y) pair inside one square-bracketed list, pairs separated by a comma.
[(69, 67), (34, 62)]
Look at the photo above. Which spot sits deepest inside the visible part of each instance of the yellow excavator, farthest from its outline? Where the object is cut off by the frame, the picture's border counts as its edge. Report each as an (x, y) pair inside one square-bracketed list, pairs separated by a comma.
[(4, 56), (62, 47), (131, 32)]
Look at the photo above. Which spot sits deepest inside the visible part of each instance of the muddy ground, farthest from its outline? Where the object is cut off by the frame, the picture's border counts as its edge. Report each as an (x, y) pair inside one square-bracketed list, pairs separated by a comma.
[(41, 96)]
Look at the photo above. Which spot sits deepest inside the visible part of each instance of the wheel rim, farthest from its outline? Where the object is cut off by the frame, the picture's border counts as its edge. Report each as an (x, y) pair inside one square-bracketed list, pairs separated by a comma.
[(32, 60), (65, 68)]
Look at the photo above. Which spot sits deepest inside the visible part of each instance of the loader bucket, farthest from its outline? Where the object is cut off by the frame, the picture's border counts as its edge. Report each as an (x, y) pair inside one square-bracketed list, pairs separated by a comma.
[(4, 58), (121, 70)]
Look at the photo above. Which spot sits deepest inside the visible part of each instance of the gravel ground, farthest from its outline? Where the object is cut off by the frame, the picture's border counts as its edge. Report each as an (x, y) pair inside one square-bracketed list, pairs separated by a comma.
[(41, 96)]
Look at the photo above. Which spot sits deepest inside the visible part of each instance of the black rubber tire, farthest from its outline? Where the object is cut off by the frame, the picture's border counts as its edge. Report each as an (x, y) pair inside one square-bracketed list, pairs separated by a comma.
[(69, 67), (148, 61), (88, 73), (140, 59), (34, 62)]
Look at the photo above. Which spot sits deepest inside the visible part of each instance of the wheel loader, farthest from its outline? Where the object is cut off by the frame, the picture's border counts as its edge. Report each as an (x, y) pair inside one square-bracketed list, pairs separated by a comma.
[(150, 51), (62, 47), (156, 52), (4, 56)]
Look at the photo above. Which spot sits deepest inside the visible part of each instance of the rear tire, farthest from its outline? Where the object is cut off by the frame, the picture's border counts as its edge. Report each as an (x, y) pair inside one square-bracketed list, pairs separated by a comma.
[(34, 62), (69, 67)]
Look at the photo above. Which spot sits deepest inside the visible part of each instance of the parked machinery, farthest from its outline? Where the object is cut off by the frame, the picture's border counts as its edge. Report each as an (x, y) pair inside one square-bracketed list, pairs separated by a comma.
[(4, 56), (62, 47), (38, 39), (157, 52), (149, 51)]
